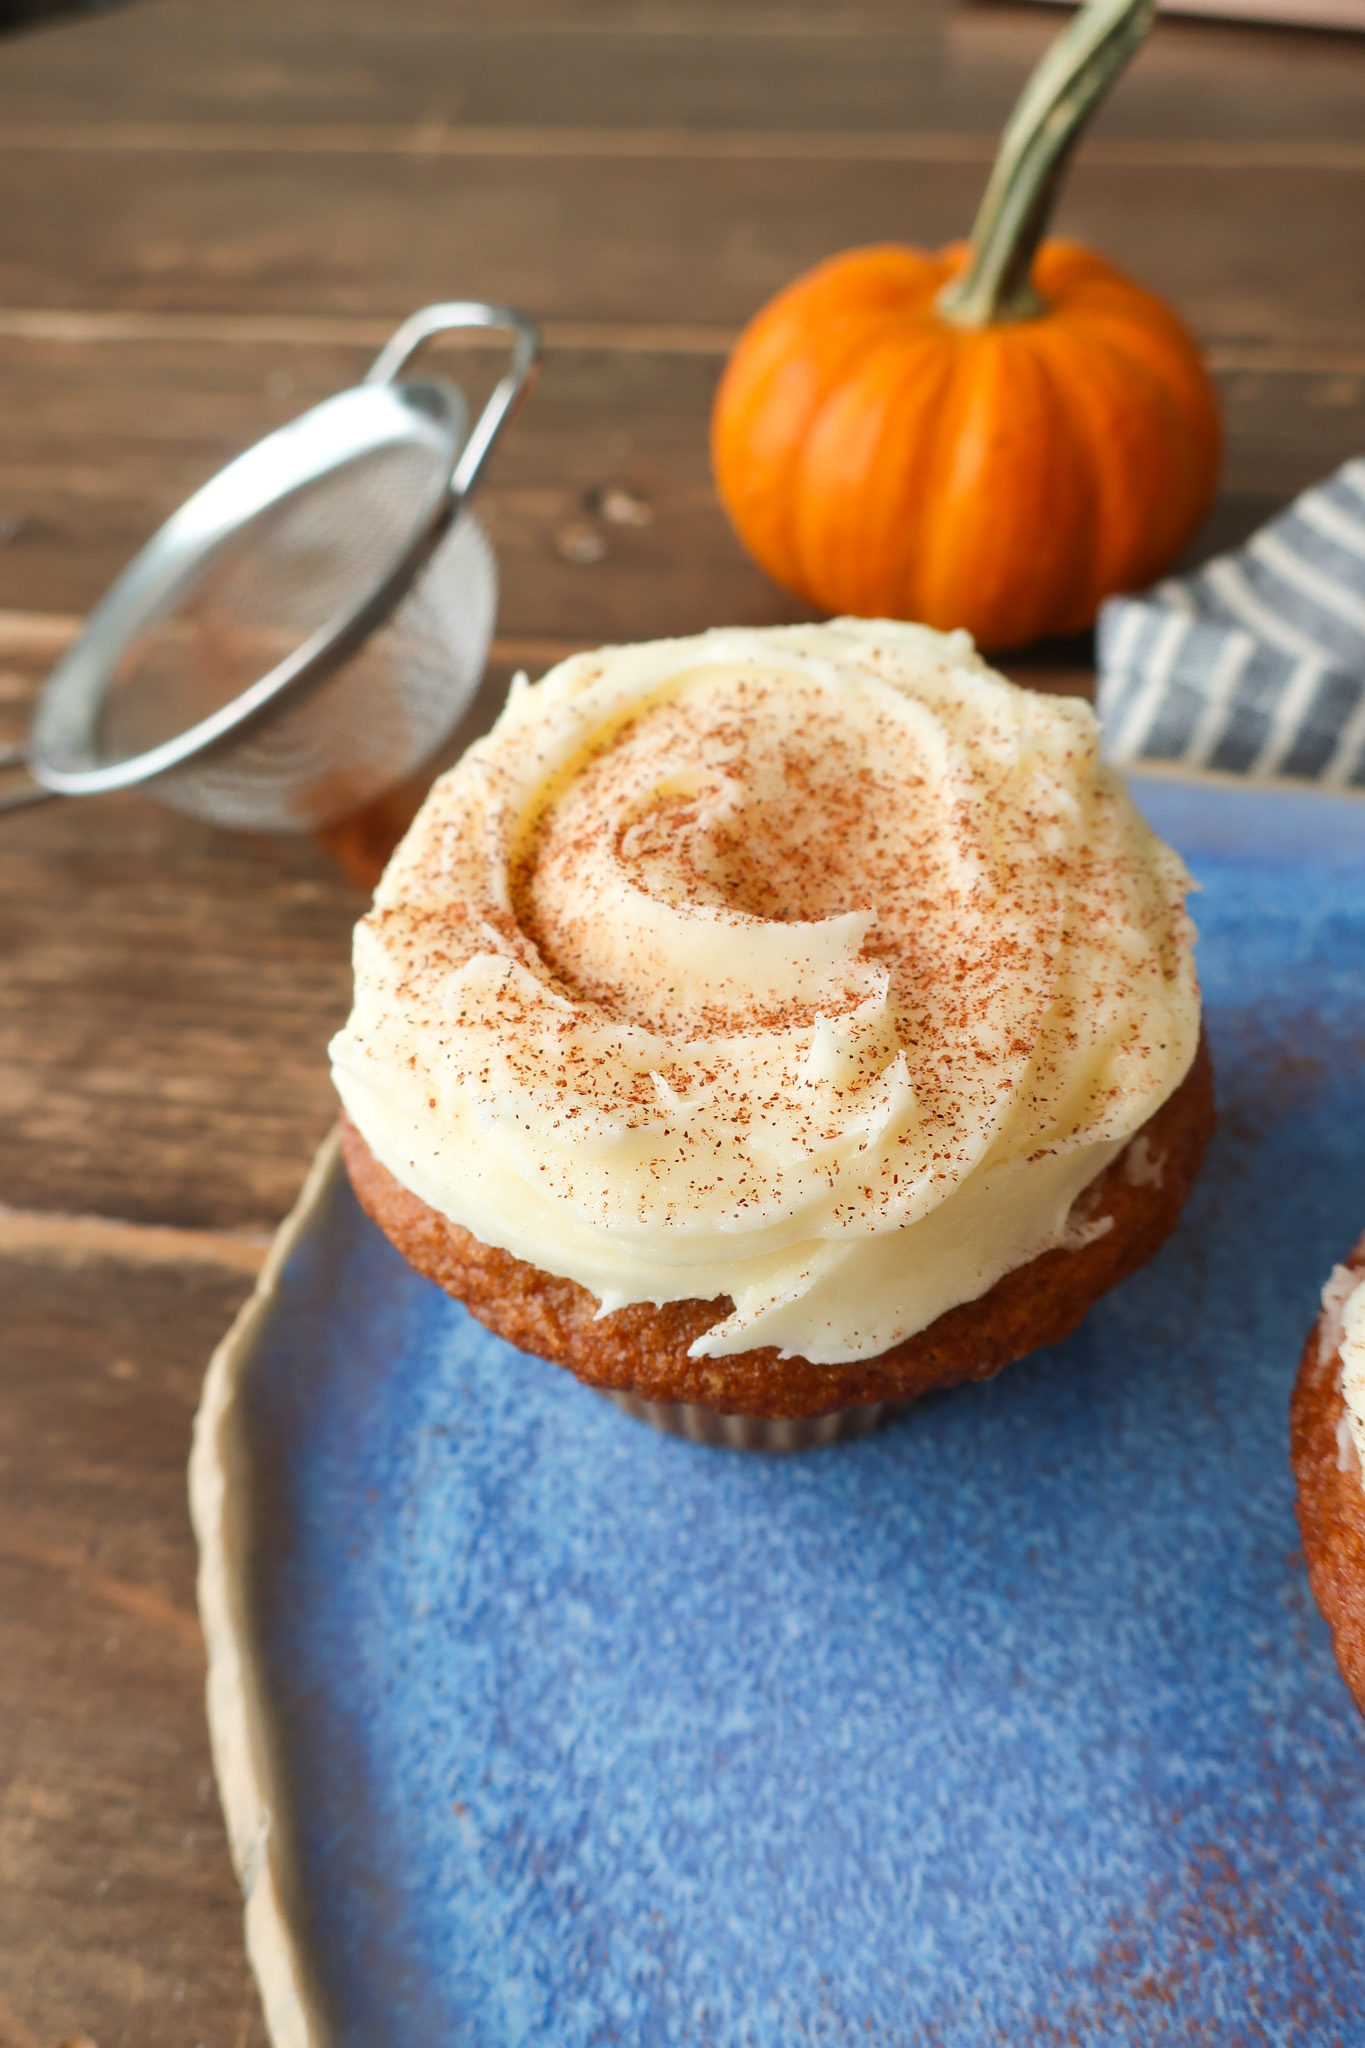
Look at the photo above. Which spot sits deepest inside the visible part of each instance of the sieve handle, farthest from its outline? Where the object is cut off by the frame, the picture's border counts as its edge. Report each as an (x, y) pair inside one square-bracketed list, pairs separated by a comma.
[(29, 792), (520, 373)]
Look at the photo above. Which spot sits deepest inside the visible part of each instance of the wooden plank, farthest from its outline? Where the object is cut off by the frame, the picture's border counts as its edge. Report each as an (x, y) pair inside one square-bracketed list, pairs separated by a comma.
[(74, 1240), (899, 69), (309, 330), (656, 145), (99, 442), (617, 337), (1277, 255), (97, 446), (164, 1012), (121, 1914)]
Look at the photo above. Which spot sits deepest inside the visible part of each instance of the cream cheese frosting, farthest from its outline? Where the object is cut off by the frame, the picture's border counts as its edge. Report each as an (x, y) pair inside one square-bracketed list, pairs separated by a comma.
[(1343, 1330), (819, 967)]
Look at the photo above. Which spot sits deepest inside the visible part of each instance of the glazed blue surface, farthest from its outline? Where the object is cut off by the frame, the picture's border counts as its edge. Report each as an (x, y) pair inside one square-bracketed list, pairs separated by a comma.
[(1015, 1723)]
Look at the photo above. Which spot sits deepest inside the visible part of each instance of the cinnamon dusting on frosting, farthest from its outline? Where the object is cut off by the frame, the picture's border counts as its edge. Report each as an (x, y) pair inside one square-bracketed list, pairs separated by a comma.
[(817, 967)]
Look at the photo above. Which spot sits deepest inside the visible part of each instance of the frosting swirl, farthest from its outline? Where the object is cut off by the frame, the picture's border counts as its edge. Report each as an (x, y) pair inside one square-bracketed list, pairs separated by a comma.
[(817, 966)]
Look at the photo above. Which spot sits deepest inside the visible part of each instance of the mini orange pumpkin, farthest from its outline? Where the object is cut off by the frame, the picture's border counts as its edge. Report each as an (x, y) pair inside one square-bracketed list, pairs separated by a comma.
[(974, 437)]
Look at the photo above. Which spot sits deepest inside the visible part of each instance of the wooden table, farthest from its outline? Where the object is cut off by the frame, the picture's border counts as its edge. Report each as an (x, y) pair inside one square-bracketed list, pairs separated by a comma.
[(214, 212)]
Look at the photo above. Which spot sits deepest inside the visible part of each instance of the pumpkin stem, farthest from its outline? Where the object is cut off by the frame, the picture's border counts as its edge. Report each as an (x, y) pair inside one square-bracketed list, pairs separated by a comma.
[(1075, 73)]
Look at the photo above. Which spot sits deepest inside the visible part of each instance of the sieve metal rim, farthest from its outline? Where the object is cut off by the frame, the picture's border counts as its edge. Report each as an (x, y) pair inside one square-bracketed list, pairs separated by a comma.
[(380, 410)]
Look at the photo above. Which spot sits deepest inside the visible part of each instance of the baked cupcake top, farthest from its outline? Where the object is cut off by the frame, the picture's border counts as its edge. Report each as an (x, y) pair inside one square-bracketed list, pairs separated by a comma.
[(817, 966)]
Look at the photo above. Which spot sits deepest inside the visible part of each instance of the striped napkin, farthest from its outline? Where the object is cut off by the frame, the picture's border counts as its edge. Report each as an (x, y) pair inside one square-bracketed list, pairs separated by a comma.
[(1254, 665)]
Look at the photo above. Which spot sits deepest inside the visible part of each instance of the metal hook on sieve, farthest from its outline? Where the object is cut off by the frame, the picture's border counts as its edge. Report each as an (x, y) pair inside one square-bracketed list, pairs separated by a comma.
[(239, 660)]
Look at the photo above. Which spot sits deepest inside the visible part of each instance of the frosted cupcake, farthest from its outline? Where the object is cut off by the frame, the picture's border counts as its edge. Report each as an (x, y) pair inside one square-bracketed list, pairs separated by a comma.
[(779, 1023)]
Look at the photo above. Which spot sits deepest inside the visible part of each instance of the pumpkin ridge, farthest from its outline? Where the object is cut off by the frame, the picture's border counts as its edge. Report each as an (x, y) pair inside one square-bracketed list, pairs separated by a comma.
[(1168, 357), (1062, 266), (1175, 383), (1125, 439), (1009, 496), (758, 490), (855, 366), (1066, 371), (865, 426)]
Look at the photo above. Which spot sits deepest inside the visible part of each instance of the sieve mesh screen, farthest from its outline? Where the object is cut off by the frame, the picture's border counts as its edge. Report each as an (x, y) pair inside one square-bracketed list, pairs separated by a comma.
[(293, 569), (373, 721)]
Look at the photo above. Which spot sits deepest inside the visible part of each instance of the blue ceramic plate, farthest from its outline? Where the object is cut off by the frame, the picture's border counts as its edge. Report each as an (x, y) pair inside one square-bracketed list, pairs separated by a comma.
[(1015, 1723)]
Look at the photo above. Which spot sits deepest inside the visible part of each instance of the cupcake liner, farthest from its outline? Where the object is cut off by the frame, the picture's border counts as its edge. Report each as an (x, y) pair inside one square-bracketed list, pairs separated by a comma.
[(755, 1433)]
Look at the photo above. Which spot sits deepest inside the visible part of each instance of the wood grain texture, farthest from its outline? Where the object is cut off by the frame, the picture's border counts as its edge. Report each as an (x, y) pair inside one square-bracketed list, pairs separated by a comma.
[(910, 68), (165, 1006), (548, 144), (99, 441), (1269, 252), (98, 445), (120, 1911)]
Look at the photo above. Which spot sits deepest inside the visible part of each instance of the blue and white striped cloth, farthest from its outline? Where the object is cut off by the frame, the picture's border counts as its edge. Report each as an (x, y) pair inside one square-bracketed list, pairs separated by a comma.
[(1255, 665)]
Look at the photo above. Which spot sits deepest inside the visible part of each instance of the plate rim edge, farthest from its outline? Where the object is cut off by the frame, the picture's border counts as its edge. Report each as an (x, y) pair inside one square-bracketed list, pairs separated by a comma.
[(236, 1696)]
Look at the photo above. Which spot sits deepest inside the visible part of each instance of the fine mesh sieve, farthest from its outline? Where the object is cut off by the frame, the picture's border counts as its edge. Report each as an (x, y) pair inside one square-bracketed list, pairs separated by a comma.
[(308, 628)]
